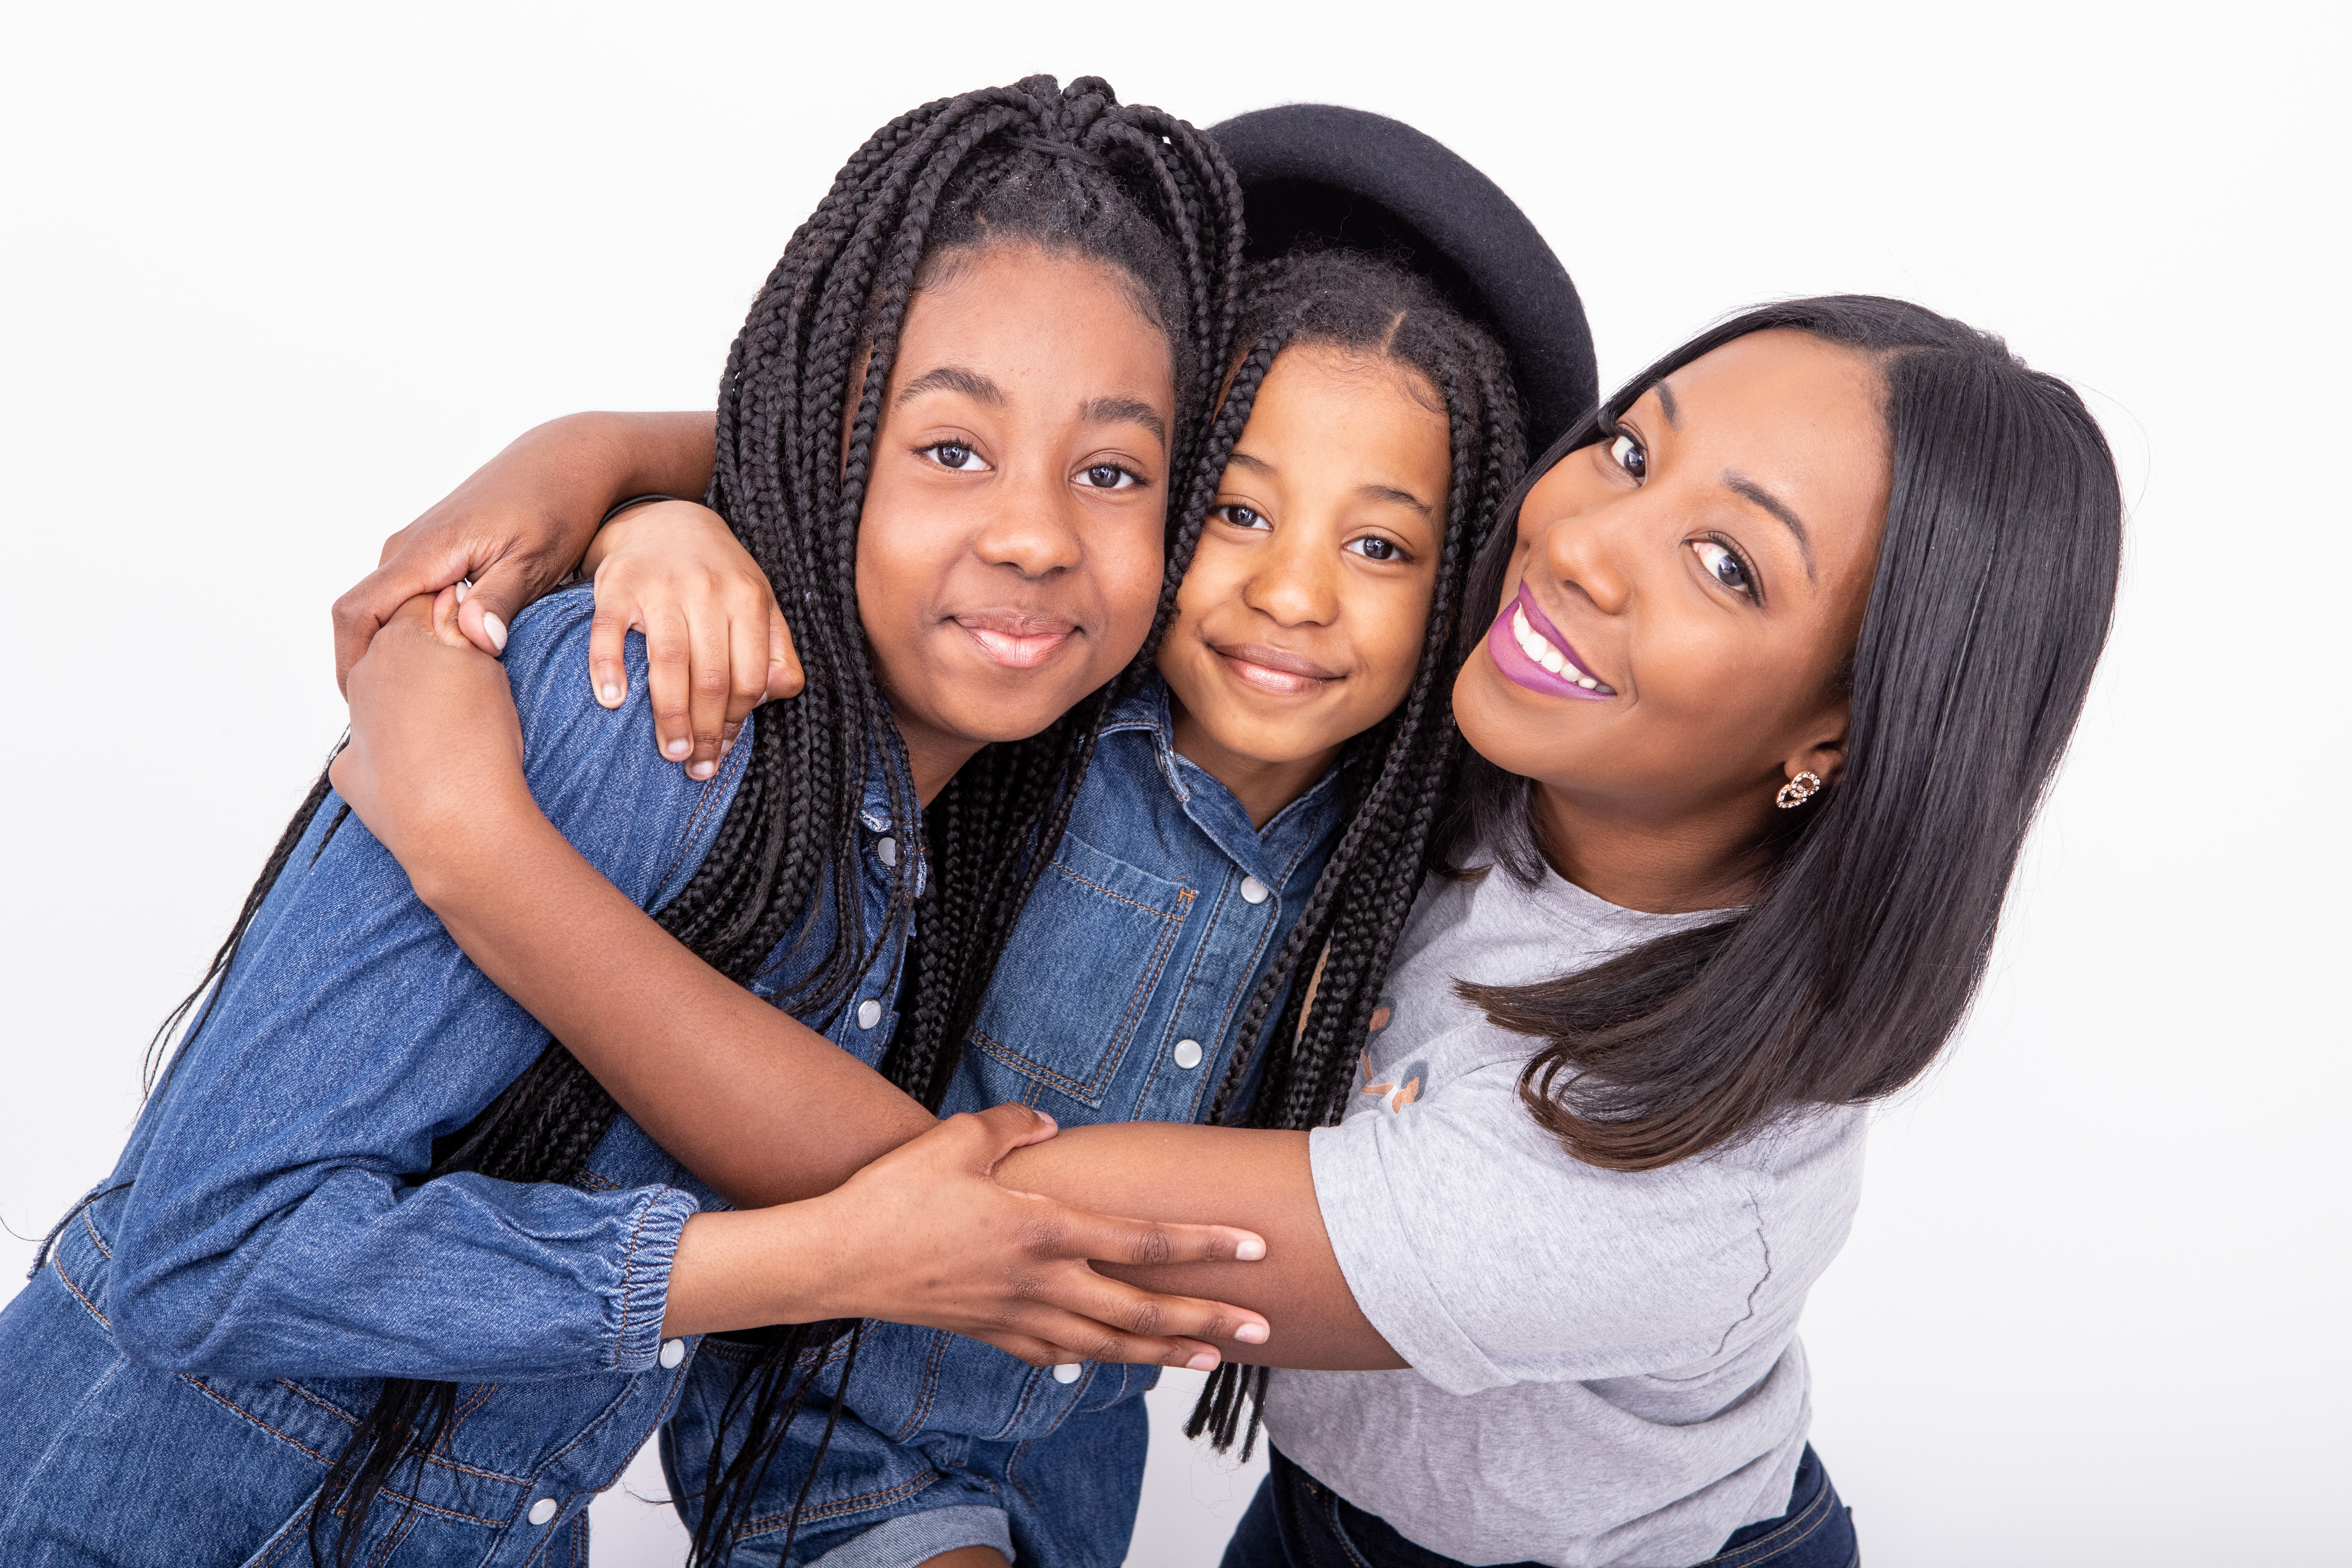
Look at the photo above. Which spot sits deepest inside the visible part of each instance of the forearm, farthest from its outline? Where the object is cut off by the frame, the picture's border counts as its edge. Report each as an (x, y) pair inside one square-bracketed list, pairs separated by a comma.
[(755, 1103), (582, 464), (766, 1110), (1221, 1175)]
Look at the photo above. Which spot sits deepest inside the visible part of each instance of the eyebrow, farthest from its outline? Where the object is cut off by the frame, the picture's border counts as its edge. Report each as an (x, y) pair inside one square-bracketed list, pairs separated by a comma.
[(1379, 492), (1125, 410), (1741, 485), (1666, 404), (1396, 497), (955, 378)]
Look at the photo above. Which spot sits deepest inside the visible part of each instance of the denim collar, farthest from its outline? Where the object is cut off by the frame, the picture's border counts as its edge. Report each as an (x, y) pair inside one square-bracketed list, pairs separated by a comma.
[(1285, 838)]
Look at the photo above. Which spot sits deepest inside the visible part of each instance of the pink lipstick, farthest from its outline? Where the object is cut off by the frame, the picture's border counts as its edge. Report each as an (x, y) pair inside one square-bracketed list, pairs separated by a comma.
[(1530, 652)]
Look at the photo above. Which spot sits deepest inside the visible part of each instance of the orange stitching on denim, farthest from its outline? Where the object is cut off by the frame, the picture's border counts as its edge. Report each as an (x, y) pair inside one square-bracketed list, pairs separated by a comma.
[(95, 1239), (1751, 1552), (321, 1401), (88, 1305), (1123, 1032), (628, 1260), (1184, 896), (209, 1392), (922, 1410), (1347, 1543), (899, 1493)]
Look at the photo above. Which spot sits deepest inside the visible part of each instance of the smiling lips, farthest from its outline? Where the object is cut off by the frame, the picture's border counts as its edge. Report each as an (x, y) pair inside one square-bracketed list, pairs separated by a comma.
[(1272, 670), (1529, 651), (1015, 640)]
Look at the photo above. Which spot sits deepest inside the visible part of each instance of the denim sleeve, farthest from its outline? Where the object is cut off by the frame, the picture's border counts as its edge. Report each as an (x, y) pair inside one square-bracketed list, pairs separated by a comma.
[(269, 1231)]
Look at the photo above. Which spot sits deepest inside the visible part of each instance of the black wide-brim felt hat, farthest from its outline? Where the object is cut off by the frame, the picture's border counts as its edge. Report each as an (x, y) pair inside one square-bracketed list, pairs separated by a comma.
[(1317, 171)]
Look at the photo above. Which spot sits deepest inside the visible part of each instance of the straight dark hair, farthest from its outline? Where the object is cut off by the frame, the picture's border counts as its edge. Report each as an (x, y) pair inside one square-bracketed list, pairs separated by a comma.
[(1074, 173), (1867, 938)]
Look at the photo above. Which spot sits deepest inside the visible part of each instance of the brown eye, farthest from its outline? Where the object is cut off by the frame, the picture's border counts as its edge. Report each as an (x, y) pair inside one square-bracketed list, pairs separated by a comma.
[(1373, 547), (954, 455), (1725, 567), (1628, 455), (1241, 516), (1110, 476)]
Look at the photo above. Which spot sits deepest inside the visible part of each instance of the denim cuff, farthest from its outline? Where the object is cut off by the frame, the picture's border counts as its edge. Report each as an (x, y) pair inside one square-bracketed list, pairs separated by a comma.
[(643, 1294), (911, 1538)]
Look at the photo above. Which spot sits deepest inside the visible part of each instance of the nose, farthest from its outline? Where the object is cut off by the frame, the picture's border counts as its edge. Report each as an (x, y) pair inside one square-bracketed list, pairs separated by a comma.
[(1031, 525), (1587, 552), (1296, 580)]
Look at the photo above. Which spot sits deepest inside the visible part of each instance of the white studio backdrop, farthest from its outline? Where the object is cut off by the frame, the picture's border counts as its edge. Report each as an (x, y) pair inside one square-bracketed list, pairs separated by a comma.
[(276, 278)]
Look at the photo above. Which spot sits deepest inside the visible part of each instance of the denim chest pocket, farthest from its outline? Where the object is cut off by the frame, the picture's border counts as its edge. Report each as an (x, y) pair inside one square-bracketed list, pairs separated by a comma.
[(1076, 977)]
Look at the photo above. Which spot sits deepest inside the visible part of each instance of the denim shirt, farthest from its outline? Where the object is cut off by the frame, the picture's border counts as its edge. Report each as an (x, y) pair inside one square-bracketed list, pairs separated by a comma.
[(200, 1335), (1119, 998)]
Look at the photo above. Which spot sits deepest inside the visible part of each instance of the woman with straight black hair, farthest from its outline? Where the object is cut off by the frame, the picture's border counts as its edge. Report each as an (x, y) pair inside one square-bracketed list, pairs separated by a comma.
[(1785, 647)]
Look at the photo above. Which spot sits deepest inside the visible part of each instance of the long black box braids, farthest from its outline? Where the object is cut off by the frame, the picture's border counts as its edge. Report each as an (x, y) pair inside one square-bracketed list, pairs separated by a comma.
[(1398, 773), (1074, 170)]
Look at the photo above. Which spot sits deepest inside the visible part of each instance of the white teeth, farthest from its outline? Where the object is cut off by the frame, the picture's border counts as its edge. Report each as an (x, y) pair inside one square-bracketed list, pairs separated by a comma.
[(1539, 648)]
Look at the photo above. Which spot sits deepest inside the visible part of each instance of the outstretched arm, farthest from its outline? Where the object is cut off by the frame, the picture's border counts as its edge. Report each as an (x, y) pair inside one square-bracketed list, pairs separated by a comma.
[(723, 1080), (435, 730)]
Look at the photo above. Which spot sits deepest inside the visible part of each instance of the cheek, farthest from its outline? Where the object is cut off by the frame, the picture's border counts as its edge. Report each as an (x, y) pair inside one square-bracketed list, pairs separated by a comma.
[(1400, 617)]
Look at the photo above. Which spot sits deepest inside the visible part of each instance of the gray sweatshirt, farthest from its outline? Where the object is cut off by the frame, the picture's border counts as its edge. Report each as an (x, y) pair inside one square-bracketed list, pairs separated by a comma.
[(1605, 1364)]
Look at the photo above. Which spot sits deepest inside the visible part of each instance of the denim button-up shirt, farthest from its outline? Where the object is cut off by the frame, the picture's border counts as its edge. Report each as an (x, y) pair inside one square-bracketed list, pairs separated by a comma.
[(198, 1341), (1118, 998)]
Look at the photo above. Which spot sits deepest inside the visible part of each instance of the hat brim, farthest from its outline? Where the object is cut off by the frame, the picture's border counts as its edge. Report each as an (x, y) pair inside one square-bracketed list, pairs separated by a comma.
[(1322, 174)]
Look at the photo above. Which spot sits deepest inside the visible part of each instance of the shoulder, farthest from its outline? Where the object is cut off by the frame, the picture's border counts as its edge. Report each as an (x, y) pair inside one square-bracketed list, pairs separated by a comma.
[(596, 772)]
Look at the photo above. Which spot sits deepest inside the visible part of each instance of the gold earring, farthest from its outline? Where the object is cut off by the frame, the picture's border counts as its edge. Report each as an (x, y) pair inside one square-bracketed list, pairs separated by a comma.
[(1797, 791)]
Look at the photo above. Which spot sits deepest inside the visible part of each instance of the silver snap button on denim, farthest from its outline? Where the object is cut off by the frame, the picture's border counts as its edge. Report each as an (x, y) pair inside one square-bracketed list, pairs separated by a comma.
[(869, 1013), (1187, 1054), (887, 848), (672, 1353), (1068, 1372), (1254, 891), (542, 1510)]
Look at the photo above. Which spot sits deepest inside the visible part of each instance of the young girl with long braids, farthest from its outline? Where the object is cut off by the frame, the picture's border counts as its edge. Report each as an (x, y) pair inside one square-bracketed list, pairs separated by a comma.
[(382, 1274), (1264, 801), (1764, 688)]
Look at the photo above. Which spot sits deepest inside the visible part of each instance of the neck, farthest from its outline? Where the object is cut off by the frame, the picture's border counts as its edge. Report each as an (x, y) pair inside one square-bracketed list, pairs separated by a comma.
[(1264, 787), (932, 759), (1704, 860)]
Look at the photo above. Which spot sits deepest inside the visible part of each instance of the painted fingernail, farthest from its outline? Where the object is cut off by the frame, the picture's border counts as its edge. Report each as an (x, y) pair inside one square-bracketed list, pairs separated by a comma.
[(1250, 1250), (609, 694), (702, 770), (676, 751), (1251, 1333), (464, 588), (497, 630), (1204, 1362), (725, 747)]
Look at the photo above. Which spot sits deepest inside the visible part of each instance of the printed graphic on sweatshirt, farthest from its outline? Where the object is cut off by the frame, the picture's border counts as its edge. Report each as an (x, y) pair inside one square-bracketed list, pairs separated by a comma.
[(1393, 1089)]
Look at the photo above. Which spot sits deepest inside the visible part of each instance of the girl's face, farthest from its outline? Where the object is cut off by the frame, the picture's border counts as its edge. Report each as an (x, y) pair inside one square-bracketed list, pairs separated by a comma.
[(1008, 555), (1300, 620), (1683, 594)]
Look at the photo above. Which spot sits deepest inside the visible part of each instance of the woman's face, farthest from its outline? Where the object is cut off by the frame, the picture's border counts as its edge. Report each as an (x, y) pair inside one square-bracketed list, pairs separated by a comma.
[(1682, 596), (1300, 620), (1009, 554)]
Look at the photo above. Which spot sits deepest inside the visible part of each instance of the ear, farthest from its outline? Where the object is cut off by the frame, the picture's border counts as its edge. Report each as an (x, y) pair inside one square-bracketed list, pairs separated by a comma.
[(1824, 754)]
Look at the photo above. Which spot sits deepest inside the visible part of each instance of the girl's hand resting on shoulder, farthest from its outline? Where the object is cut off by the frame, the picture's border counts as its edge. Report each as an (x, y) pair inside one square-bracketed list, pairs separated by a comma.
[(716, 642)]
